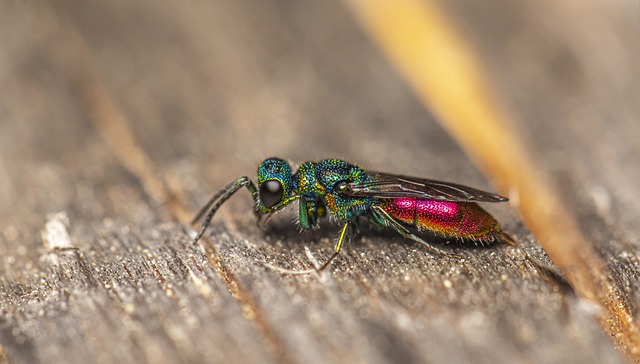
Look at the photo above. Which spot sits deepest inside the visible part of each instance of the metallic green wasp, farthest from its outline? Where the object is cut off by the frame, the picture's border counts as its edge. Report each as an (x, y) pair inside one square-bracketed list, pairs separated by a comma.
[(349, 192)]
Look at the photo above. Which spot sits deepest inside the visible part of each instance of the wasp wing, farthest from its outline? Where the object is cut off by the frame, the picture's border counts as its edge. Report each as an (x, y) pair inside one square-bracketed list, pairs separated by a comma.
[(384, 185)]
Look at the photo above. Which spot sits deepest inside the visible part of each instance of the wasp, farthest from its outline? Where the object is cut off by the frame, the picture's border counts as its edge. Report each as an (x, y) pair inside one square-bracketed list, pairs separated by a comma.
[(349, 192)]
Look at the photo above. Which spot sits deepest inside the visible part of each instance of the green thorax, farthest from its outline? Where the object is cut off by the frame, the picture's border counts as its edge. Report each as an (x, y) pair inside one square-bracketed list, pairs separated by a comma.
[(314, 182)]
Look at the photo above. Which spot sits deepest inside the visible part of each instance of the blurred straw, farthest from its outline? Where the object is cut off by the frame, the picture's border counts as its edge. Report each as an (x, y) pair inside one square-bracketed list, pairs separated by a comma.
[(448, 78)]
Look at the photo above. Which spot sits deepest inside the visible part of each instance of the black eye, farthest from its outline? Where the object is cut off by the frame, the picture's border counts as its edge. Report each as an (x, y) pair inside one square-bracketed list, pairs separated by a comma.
[(341, 187), (271, 193)]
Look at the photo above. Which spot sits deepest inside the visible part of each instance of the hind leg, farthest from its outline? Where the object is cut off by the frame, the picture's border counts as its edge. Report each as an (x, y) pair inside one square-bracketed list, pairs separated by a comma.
[(382, 218)]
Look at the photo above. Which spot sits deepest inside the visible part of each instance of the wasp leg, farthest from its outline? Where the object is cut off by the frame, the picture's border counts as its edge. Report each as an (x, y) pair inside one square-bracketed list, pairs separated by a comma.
[(385, 219), (221, 197), (345, 233)]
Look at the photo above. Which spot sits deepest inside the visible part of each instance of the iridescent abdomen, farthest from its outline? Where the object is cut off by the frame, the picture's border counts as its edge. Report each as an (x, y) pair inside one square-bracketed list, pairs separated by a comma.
[(464, 220)]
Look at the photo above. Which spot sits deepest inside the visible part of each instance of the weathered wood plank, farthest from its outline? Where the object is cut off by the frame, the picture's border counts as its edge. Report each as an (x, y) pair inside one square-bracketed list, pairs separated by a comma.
[(207, 91)]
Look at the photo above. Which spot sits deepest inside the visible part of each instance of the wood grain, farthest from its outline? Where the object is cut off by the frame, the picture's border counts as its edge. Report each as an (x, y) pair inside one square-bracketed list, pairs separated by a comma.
[(96, 261)]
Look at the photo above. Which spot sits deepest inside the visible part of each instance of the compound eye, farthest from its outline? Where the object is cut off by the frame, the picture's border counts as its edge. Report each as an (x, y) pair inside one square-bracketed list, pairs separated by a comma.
[(271, 192), (341, 187)]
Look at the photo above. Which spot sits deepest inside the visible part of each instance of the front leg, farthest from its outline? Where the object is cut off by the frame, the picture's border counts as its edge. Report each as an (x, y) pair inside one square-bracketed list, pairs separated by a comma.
[(347, 232), (306, 214)]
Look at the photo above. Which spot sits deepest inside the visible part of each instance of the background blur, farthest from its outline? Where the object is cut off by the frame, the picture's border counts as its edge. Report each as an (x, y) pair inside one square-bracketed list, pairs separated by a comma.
[(136, 112)]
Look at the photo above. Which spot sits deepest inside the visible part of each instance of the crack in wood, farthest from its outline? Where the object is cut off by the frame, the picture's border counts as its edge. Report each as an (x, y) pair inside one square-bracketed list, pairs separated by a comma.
[(250, 308)]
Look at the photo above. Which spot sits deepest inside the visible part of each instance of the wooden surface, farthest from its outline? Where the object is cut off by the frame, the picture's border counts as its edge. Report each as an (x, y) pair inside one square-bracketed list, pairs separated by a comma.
[(119, 119)]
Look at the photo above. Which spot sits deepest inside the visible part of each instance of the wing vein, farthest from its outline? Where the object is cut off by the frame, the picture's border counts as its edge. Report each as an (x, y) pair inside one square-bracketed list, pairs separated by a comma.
[(384, 185)]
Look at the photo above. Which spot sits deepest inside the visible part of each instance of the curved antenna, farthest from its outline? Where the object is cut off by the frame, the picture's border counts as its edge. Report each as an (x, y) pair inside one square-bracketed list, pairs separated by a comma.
[(221, 197)]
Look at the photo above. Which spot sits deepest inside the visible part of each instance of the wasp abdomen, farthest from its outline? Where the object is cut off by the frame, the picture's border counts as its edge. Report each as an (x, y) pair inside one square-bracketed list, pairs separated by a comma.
[(465, 220)]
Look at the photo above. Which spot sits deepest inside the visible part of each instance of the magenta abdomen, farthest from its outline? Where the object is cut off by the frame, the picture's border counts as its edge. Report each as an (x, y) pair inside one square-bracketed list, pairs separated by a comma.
[(464, 220)]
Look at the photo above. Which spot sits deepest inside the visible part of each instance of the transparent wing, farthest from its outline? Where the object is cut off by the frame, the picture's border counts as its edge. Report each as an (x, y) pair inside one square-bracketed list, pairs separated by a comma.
[(384, 185)]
